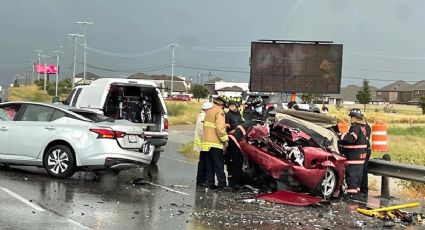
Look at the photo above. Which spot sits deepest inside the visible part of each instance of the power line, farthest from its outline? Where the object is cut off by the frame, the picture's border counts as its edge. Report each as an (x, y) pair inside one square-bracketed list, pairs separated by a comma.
[(128, 55), (384, 71)]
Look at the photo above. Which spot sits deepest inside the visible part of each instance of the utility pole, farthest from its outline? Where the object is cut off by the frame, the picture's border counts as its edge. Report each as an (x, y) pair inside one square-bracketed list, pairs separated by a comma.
[(38, 52), (58, 53), (45, 71), (33, 70), (172, 68), (75, 36), (85, 46)]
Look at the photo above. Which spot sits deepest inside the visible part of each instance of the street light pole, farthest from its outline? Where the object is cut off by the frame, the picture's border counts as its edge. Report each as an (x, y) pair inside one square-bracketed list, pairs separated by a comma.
[(75, 36), (172, 68), (45, 71), (85, 46), (38, 56), (58, 53)]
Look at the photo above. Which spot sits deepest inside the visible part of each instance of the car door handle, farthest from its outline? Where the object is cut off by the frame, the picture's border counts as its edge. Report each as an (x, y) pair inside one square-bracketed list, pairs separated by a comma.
[(3, 129), (49, 128)]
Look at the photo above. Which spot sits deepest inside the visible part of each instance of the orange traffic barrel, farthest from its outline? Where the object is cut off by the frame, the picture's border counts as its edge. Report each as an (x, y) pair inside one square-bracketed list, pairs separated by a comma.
[(342, 127), (379, 137)]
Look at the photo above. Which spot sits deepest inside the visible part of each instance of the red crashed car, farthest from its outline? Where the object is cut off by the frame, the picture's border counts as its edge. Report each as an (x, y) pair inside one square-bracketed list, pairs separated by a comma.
[(292, 153)]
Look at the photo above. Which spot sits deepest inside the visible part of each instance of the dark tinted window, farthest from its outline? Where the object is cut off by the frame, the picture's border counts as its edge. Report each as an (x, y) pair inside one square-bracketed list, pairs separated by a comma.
[(37, 113), (8, 113), (77, 94), (57, 115), (68, 99)]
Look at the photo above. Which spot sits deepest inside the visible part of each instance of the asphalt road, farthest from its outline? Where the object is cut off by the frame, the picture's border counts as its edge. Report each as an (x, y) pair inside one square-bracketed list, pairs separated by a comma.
[(30, 199)]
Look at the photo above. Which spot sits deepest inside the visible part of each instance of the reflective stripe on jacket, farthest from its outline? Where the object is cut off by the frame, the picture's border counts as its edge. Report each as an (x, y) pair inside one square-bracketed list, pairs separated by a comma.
[(197, 140), (214, 132)]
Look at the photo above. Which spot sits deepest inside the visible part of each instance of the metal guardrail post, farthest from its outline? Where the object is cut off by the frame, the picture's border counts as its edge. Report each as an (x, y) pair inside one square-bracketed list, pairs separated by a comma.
[(385, 182)]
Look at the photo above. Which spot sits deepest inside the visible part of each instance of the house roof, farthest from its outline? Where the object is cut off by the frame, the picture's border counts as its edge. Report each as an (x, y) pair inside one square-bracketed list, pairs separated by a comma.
[(89, 76), (214, 80), (396, 87), (349, 92), (231, 89), (154, 77), (178, 86), (420, 85)]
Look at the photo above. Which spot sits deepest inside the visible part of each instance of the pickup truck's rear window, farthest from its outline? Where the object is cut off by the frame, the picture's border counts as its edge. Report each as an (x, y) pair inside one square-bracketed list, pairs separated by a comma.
[(93, 116)]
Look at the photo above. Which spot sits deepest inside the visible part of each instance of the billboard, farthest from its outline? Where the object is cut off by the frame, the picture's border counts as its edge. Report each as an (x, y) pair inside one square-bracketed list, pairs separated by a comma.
[(40, 68), (295, 67)]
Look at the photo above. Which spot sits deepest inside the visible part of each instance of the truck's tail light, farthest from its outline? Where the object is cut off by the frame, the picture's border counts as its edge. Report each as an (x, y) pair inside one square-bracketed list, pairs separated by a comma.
[(107, 133), (165, 123)]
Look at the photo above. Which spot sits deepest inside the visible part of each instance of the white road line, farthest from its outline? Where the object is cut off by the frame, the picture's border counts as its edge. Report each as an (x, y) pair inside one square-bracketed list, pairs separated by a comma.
[(166, 188), (183, 161), (23, 200)]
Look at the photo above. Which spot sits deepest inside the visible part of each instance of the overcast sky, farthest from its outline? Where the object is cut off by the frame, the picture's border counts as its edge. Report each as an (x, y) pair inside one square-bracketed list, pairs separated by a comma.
[(382, 39)]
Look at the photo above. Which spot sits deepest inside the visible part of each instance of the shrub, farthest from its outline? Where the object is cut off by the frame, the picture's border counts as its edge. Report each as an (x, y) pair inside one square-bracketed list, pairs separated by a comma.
[(175, 109)]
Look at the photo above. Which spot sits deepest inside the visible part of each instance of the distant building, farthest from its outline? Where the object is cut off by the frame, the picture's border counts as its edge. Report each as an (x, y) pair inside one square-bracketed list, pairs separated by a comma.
[(396, 92), (418, 90), (210, 85), (348, 96), (180, 85)]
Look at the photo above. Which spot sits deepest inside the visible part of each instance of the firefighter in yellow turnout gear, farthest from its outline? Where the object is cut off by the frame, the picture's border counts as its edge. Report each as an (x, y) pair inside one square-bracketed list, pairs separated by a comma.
[(201, 175), (214, 141)]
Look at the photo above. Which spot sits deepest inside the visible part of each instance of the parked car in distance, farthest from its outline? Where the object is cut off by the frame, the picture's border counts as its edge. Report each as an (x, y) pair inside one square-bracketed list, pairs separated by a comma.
[(64, 139), (138, 101), (179, 97)]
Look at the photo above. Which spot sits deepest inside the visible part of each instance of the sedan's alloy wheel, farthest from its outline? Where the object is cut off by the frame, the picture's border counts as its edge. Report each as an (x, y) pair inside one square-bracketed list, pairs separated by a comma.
[(58, 161)]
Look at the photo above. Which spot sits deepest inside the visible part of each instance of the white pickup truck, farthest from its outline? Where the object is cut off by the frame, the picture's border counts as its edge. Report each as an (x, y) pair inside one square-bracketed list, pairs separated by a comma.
[(139, 101)]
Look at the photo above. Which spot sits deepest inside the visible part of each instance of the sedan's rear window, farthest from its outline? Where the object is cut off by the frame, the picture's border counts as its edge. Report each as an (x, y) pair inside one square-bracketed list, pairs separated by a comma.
[(93, 116)]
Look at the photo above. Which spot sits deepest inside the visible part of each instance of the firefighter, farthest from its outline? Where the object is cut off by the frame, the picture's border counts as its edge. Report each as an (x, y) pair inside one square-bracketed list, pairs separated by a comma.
[(254, 110), (235, 150), (353, 146), (214, 141), (233, 119), (364, 186), (201, 176)]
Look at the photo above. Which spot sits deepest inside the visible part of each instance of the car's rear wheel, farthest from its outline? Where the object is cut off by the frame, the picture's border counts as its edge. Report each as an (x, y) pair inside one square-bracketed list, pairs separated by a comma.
[(327, 184), (155, 157), (59, 162)]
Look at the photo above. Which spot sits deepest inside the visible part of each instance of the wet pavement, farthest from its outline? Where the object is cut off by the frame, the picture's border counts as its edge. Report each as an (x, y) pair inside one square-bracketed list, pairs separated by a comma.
[(169, 199)]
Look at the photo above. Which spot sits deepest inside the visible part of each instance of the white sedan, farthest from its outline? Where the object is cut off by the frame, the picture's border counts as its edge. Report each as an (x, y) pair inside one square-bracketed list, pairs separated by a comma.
[(64, 139)]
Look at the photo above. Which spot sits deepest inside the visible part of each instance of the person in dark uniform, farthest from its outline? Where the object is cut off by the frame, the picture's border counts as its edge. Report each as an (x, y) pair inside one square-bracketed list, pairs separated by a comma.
[(254, 110), (233, 118), (364, 186), (353, 146), (235, 136)]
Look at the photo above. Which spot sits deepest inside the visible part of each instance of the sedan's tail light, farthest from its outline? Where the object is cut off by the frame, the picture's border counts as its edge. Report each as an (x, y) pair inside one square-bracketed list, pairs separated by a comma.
[(165, 123), (107, 133)]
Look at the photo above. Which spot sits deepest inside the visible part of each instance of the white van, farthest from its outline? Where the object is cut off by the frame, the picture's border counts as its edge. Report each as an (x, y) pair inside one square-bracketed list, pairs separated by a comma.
[(139, 101)]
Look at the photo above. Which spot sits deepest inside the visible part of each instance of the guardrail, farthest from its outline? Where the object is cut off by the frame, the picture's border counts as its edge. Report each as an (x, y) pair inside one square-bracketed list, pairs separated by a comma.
[(387, 168)]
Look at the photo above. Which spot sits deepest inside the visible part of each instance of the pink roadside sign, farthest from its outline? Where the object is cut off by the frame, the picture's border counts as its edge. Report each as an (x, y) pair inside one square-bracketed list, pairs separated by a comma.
[(40, 68)]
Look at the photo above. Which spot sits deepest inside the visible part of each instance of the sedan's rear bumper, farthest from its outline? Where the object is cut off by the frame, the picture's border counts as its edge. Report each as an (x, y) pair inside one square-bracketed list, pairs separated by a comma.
[(107, 153)]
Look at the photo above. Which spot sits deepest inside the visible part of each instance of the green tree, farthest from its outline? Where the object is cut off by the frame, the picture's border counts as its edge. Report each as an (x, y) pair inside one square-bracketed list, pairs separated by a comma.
[(422, 104), (198, 91), (363, 95)]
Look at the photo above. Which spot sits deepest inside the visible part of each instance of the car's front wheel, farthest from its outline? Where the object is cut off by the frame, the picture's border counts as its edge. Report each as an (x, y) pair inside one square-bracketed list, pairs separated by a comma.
[(327, 185), (59, 162)]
